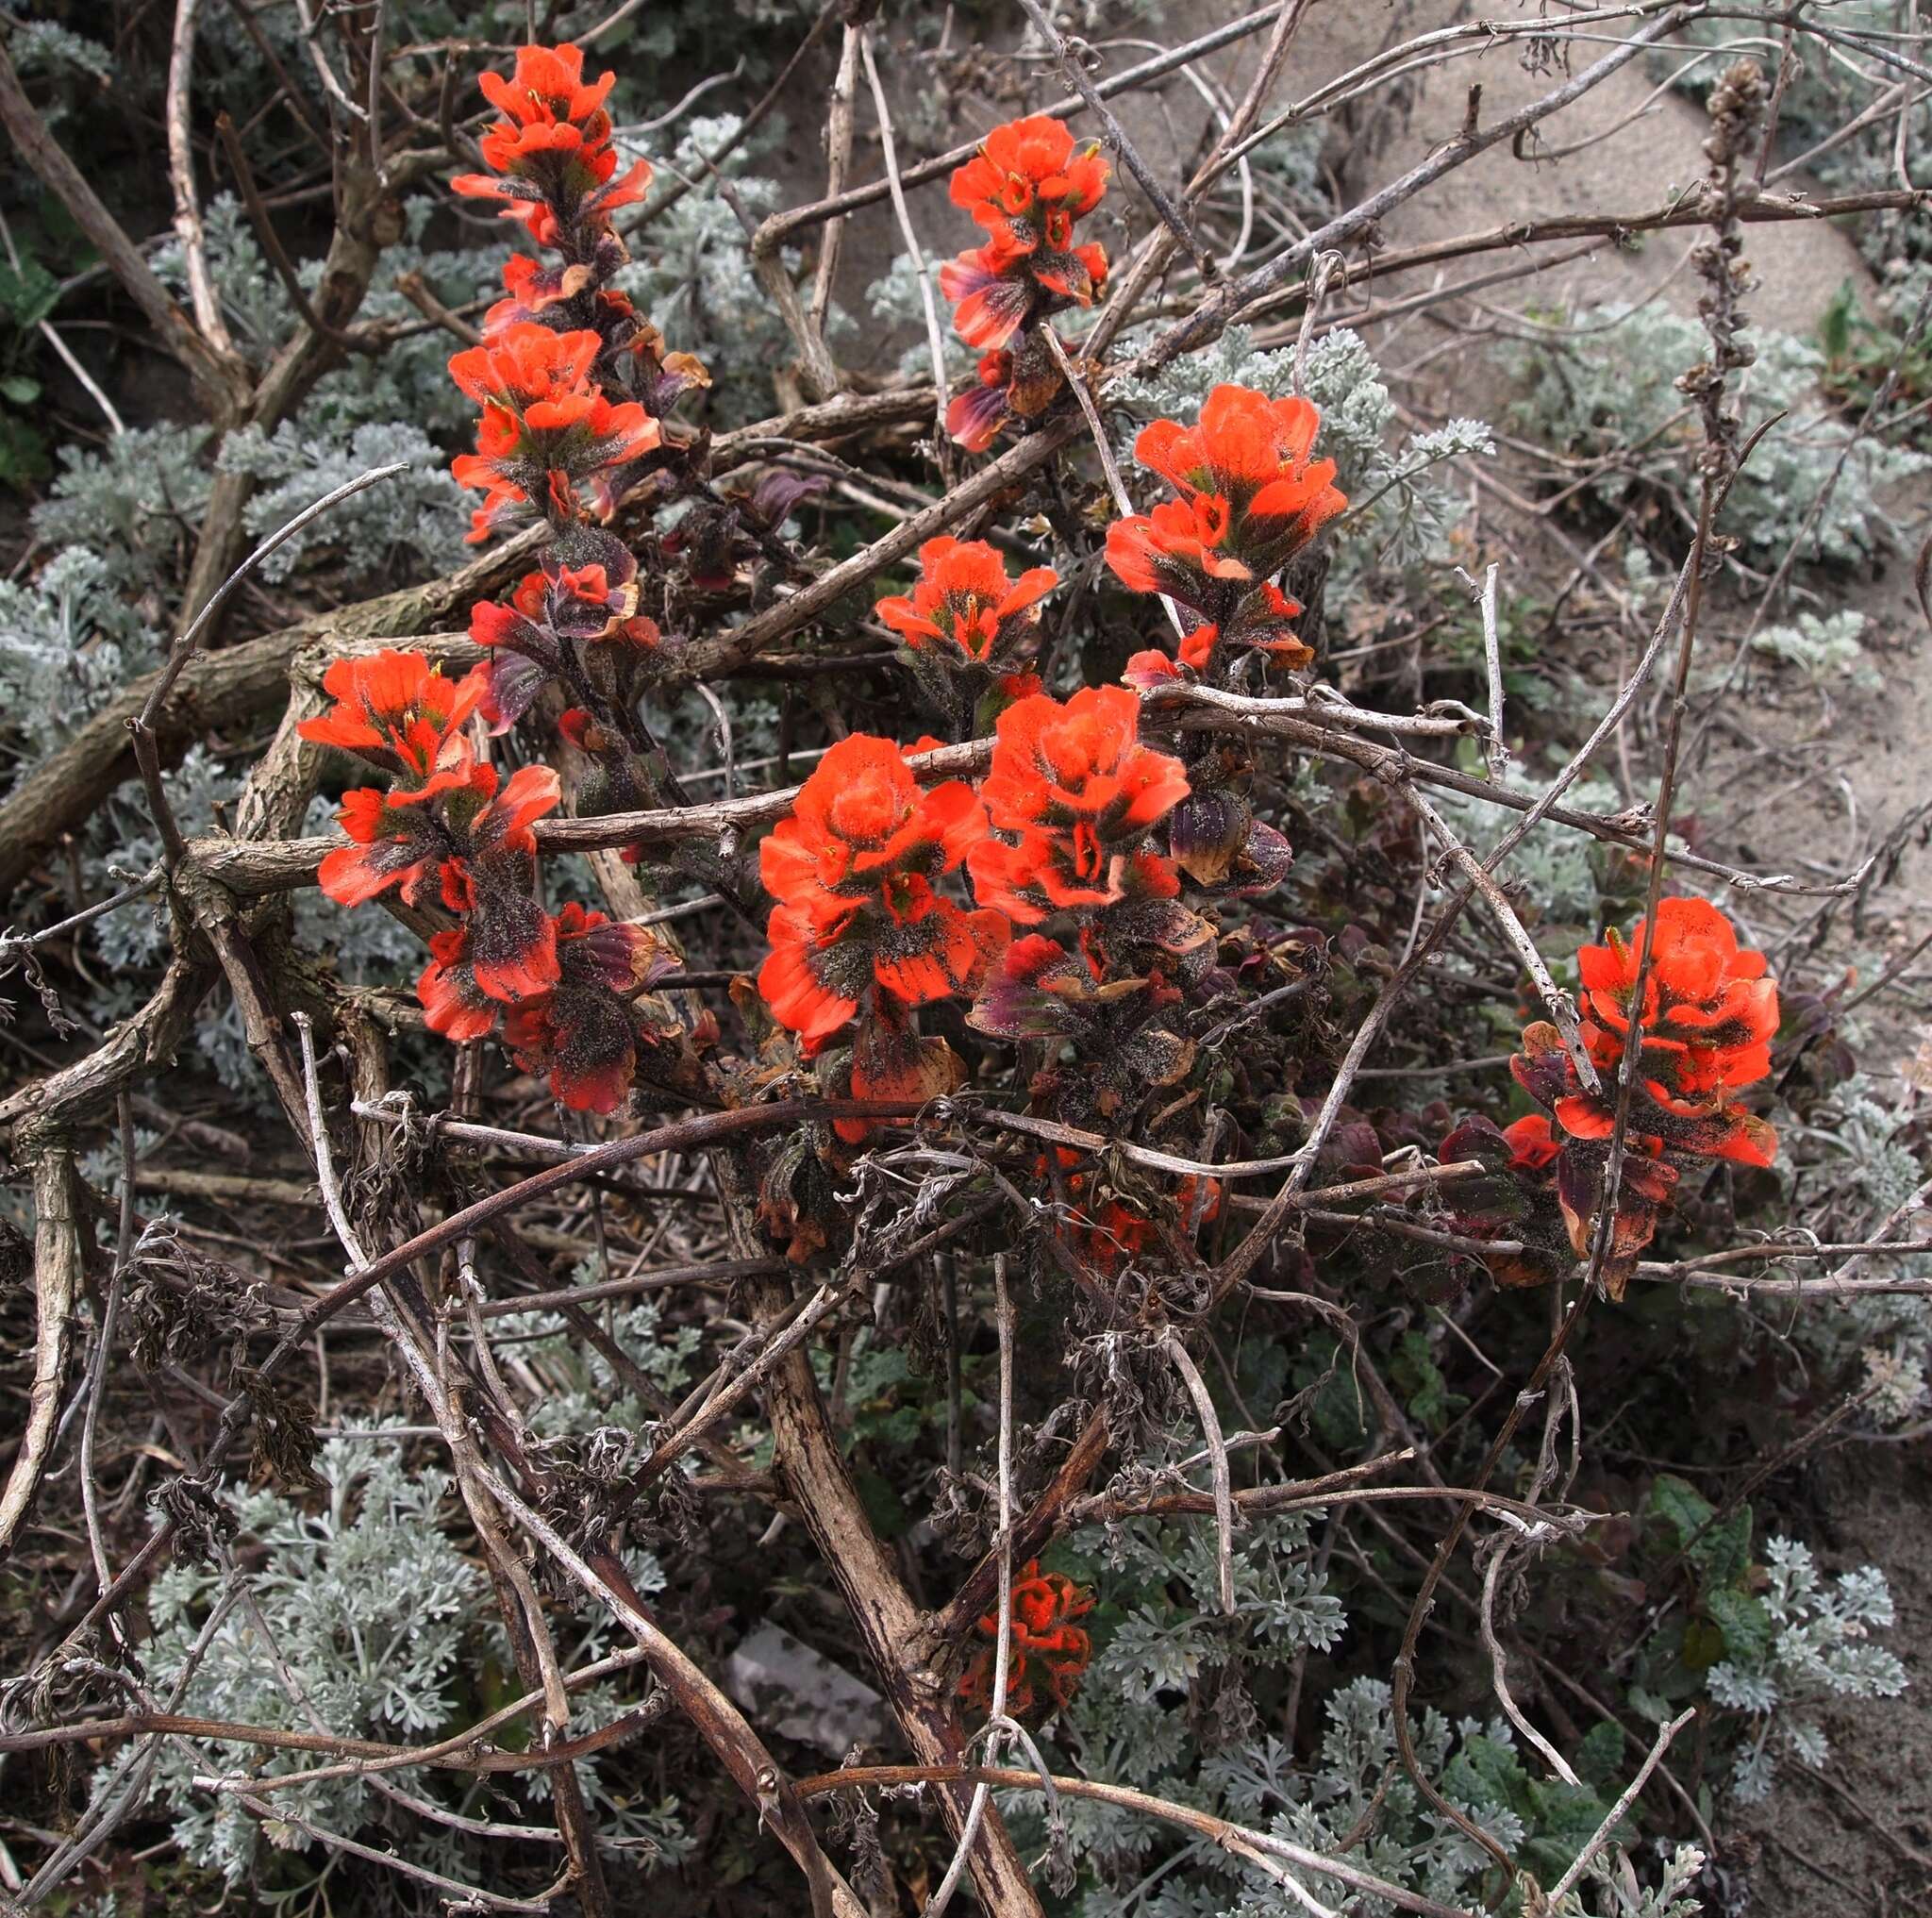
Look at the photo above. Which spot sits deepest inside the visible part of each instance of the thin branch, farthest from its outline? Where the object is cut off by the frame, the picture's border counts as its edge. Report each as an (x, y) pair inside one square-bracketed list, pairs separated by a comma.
[(1627, 1799), (1217, 1464), (935, 339)]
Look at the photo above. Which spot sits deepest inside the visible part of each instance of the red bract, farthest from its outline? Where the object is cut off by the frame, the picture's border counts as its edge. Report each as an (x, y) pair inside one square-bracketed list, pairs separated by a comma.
[(398, 711), (1704, 1032), (1249, 500), (1078, 792), (1708, 1017), (852, 870), (1048, 1652), (583, 1036), (1027, 185), (964, 600), (551, 152), (860, 821), (547, 428)]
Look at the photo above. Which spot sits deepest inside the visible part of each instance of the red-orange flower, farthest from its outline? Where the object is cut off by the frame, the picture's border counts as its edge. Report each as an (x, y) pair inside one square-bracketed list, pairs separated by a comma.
[(397, 711), (907, 942), (1048, 1652), (1704, 1033), (583, 1034), (861, 820), (964, 600), (1250, 498), (546, 427), (1706, 1026), (852, 869), (1078, 792), (997, 289), (1027, 185), (551, 153)]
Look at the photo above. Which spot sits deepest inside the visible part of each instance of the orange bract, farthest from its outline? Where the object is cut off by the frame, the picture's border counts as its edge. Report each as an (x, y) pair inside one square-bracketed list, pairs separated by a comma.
[(546, 423), (1026, 185), (1249, 500), (1080, 765), (860, 819), (398, 711), (1073, 792), (552, 150), (1708, 1017), (964, 600), (547, 88), (852, 870)]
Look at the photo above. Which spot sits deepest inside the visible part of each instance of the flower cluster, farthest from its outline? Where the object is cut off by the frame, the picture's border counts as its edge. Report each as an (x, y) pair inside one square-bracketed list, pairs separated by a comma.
[(1702, 1035), (1026, 187), (1247, 499), (859, 930), (1060, 830), (571, 383), (446, 832), (1073, 795), (550, 157), (1049, 1653), (566, 363)]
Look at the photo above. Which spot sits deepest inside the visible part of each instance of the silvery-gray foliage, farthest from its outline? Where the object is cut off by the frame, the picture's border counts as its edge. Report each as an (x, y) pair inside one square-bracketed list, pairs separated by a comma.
[(1814, 1647), (1603, 381)]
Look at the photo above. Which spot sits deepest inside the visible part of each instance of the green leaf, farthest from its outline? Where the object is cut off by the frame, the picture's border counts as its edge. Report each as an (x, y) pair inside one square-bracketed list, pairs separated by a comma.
[(19, 389), (28, 295), (1704, 1644), (1723, 1555), (1745, 1620), (1416, 1372), (1600, 1757), (1680, 1504)]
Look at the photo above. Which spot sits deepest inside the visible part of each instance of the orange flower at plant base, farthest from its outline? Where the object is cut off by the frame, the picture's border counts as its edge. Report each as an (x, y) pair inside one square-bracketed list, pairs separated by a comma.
[(1048, 1652)]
